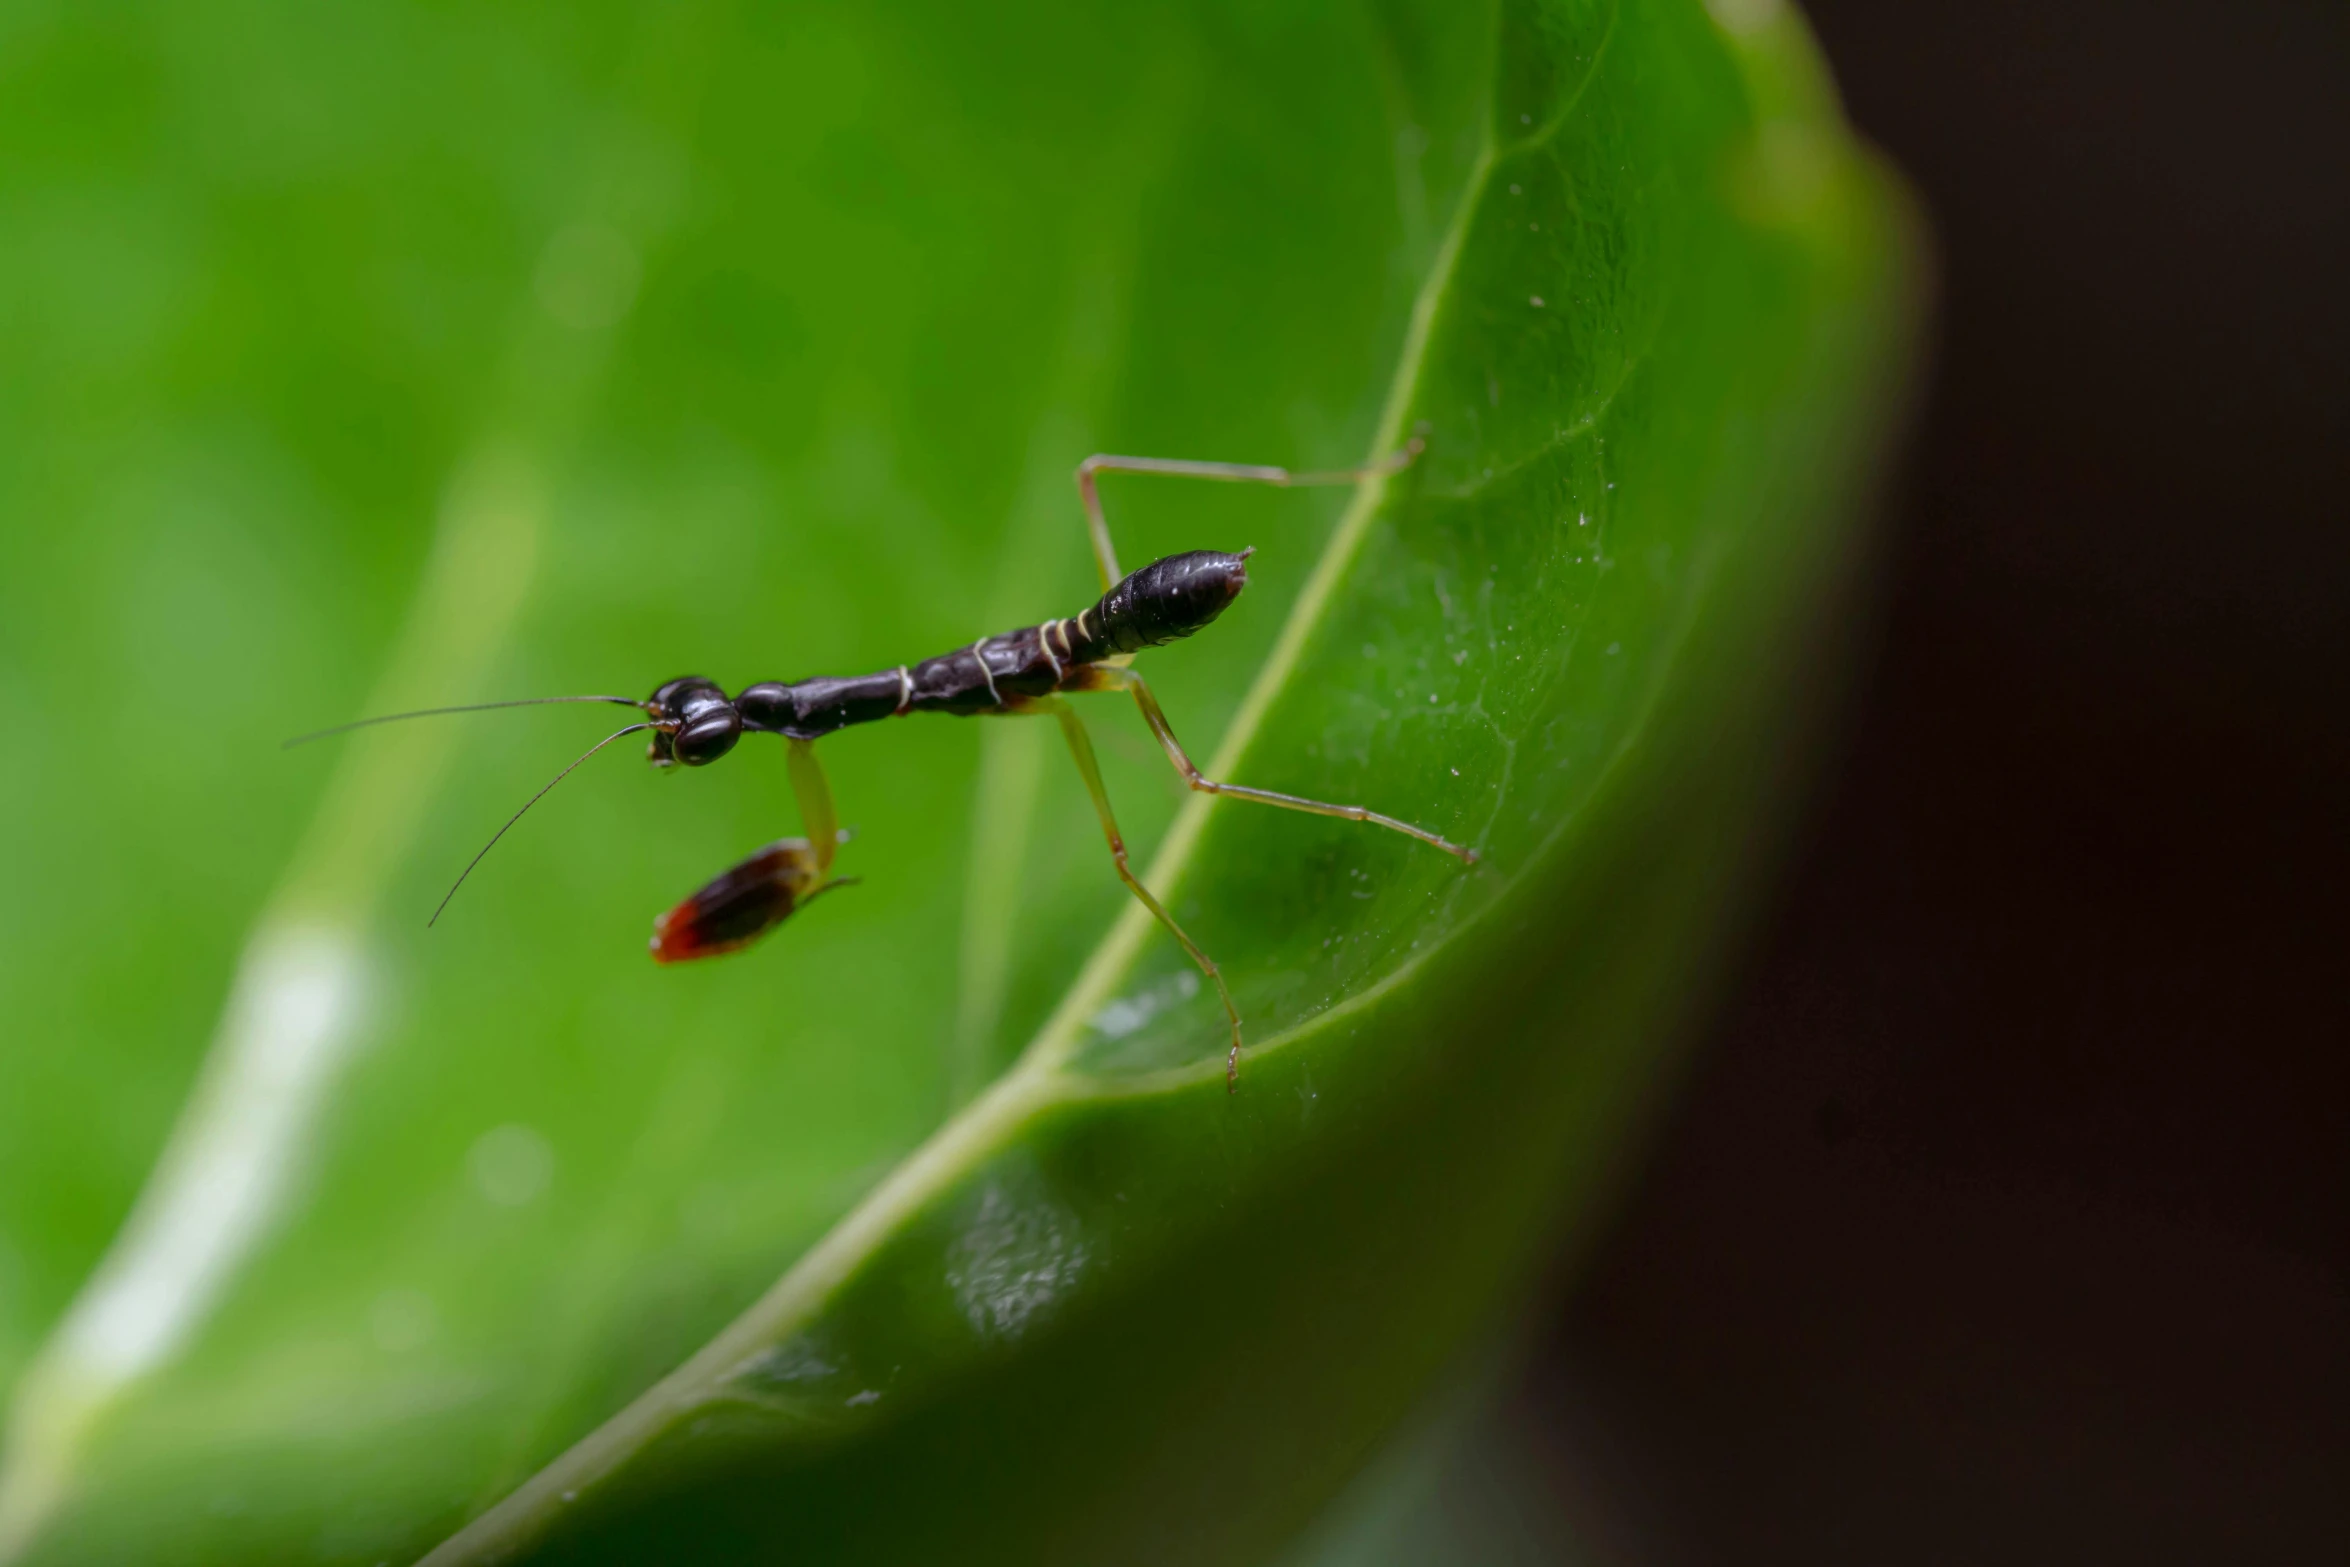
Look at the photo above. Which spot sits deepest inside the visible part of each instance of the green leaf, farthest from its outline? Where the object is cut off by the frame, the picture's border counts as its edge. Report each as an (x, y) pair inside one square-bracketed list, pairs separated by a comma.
[(763, 345)]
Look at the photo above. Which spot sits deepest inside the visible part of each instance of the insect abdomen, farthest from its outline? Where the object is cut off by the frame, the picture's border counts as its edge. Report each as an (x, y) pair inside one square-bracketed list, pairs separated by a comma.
[(1166, 600)]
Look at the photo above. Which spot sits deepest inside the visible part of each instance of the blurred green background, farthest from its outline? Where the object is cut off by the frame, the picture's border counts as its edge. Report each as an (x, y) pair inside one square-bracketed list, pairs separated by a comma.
[(398, 354)]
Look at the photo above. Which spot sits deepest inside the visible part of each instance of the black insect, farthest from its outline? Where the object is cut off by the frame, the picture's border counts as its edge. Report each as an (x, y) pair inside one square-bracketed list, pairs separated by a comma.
[(693, 722)]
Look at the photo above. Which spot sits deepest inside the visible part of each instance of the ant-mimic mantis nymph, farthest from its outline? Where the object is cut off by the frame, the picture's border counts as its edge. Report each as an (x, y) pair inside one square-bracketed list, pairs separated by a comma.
[(1018, 673)]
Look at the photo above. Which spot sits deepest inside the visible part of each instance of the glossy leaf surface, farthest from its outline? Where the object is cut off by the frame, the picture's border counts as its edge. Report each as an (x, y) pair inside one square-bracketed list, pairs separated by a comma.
[(761, 344)]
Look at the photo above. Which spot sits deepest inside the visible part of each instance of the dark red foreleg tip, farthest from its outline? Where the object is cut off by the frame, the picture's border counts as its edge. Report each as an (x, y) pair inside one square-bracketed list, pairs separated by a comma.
[(737, 906), (681, 935)]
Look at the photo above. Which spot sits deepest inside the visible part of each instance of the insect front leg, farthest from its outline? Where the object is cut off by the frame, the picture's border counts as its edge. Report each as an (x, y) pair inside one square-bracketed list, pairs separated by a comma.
[(1081, 748), (745, 901), (813, 791)]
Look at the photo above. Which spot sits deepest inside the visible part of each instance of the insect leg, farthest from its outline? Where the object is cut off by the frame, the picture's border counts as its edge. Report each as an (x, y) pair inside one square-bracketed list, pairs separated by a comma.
[(1081, 748), (1191, 775), (814, 794), (1089, 491), (745, 901)]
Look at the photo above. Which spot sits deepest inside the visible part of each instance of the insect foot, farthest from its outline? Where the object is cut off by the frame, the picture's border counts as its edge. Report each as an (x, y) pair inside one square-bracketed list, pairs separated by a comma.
[(743, 903)]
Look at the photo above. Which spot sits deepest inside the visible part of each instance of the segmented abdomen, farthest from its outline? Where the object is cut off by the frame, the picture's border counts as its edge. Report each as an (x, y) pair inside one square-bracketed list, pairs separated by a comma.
[(1165, 600)]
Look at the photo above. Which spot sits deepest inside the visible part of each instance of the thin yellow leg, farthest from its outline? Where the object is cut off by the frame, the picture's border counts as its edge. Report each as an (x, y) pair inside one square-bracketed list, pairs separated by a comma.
[(809, 787), (1089, 491), (1290, 802), (1081, 748)]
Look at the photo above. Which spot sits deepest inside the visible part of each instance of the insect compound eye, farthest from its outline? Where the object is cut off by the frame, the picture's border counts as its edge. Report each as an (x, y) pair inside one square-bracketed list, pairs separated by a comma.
[(685, 697), (709, 737)]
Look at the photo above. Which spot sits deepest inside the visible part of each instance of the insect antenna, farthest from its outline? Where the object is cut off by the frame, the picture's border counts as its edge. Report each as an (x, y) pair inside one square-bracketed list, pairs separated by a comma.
[(526, 805), (435, 712)]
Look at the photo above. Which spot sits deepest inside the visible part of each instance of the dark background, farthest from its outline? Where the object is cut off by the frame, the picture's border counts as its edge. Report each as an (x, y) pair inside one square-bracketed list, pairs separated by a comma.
[(2019, 1146)]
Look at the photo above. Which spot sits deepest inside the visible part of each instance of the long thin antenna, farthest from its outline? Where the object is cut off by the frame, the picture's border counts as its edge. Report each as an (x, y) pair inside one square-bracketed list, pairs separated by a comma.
[(435, 712), (526, 805)]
